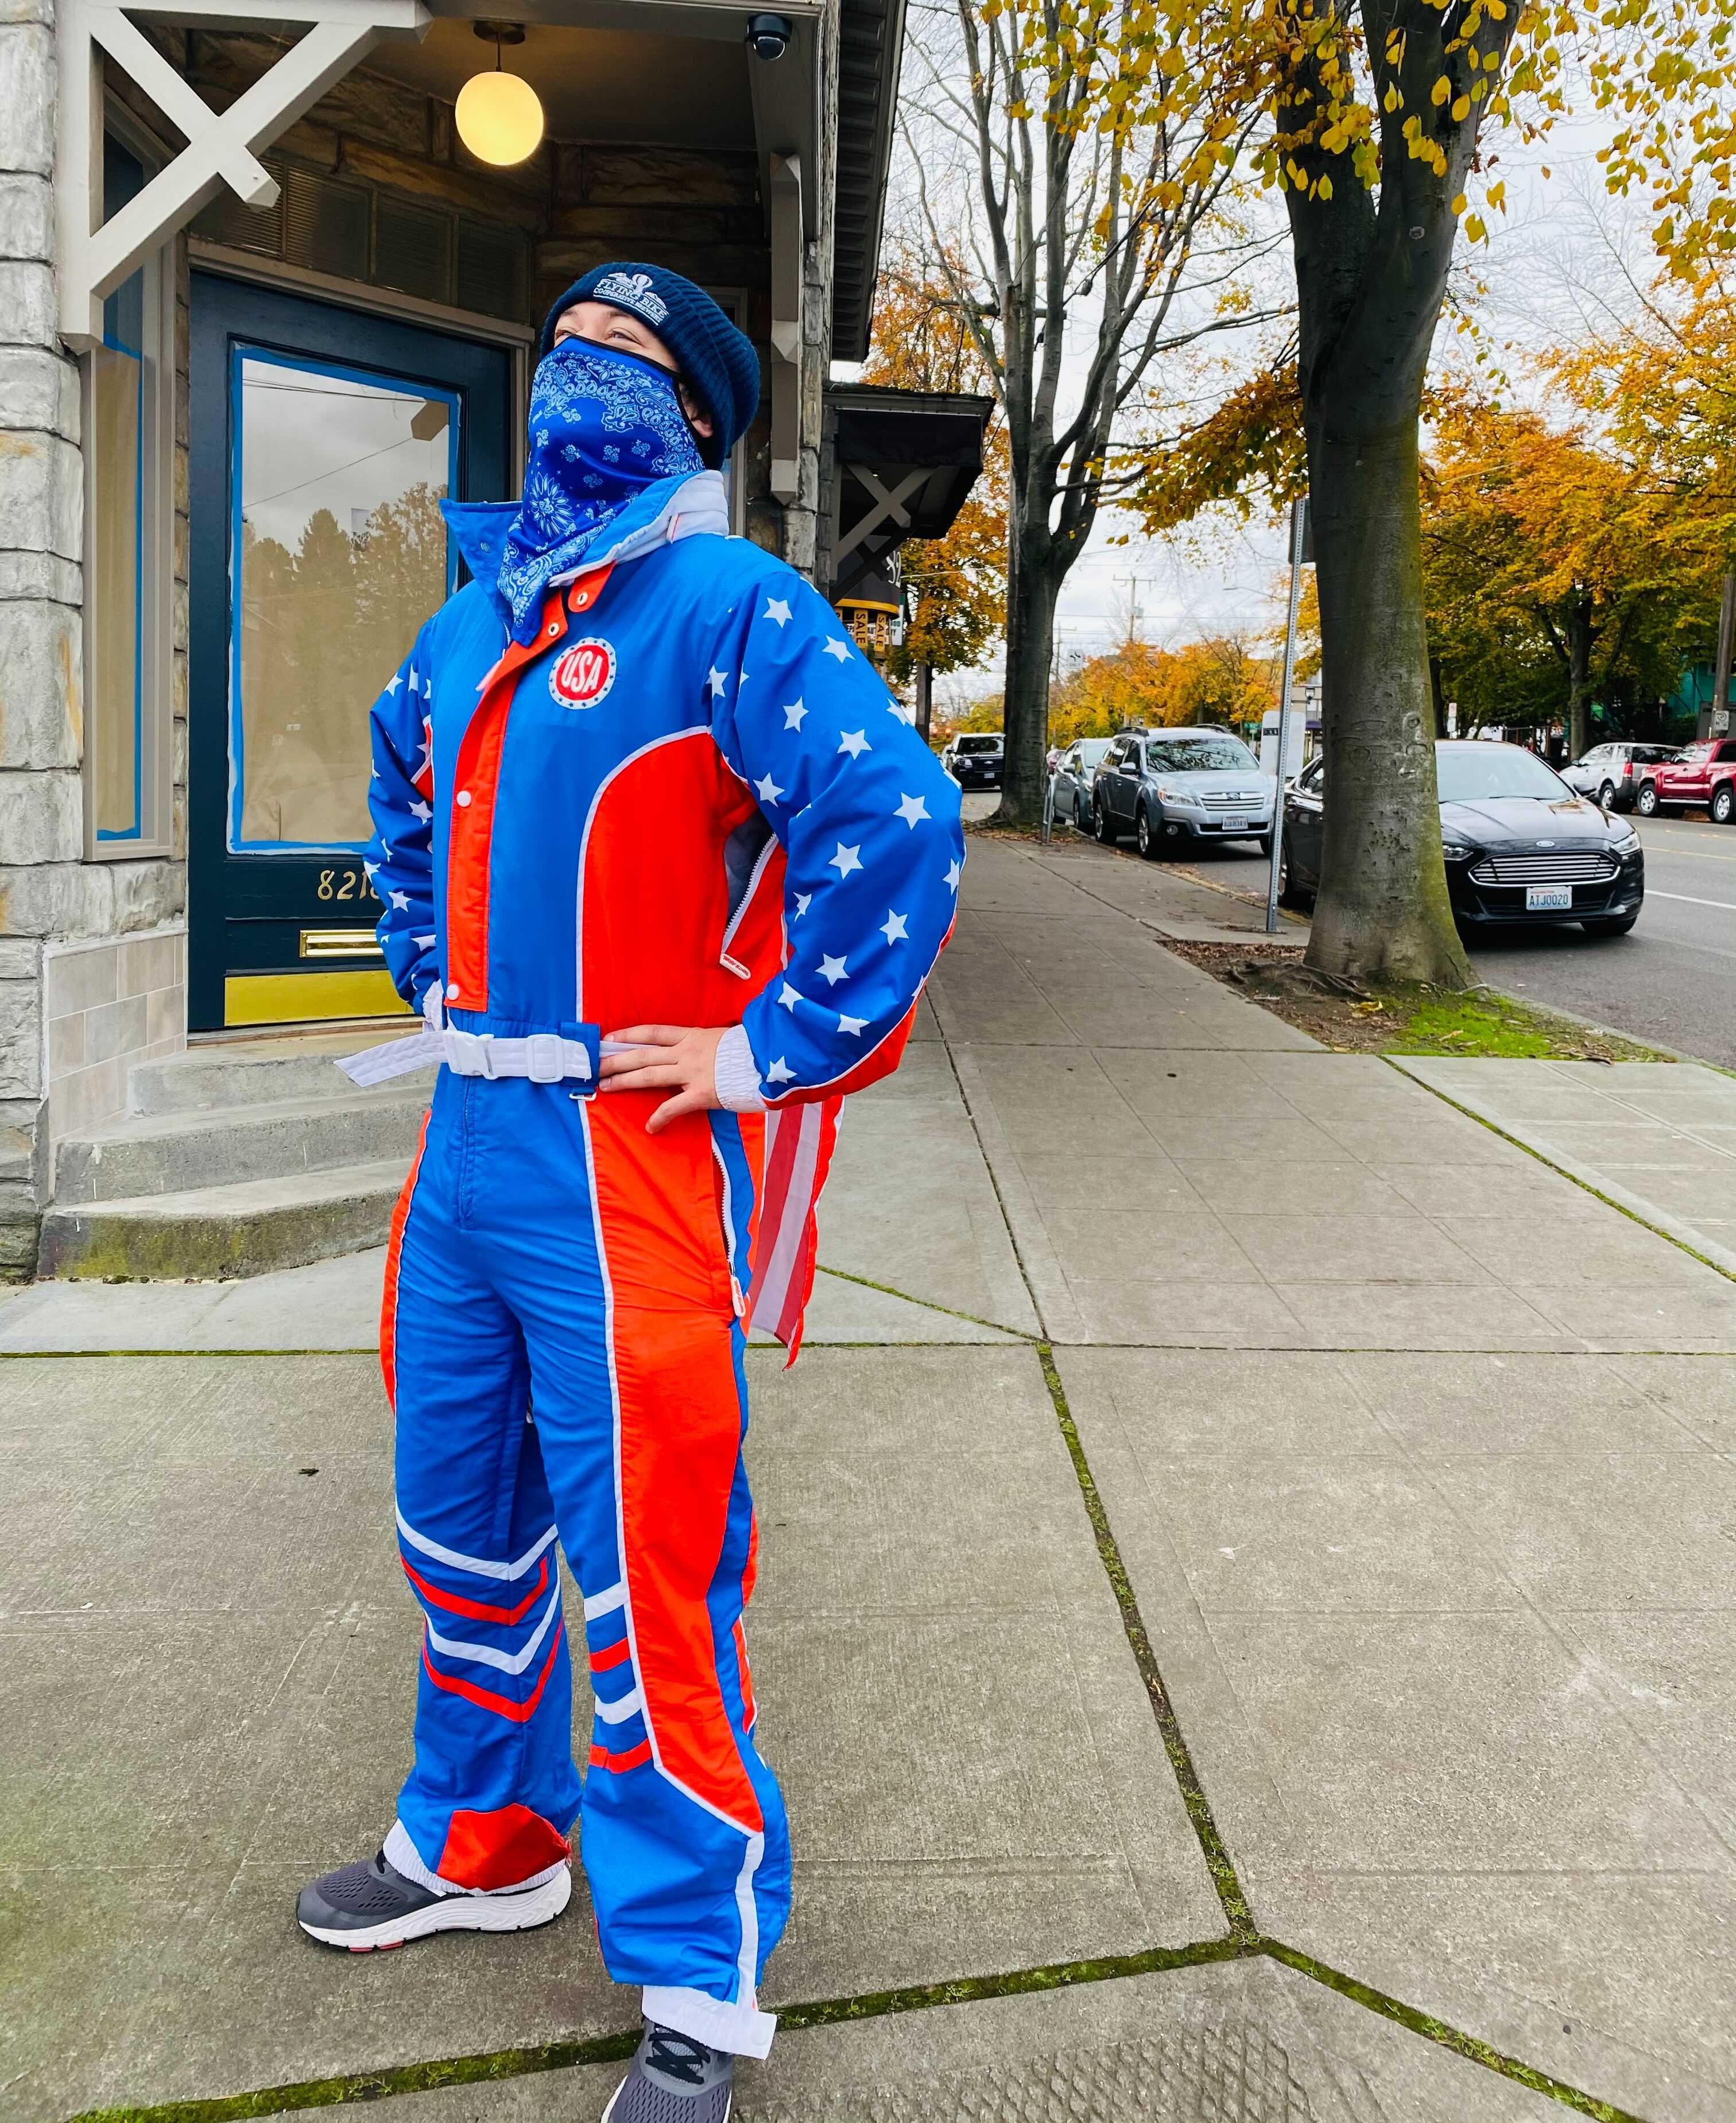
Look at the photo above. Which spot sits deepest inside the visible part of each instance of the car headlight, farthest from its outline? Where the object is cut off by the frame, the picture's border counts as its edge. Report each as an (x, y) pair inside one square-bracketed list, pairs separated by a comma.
[(1625, 842), (1455, 849), (1170, 795)]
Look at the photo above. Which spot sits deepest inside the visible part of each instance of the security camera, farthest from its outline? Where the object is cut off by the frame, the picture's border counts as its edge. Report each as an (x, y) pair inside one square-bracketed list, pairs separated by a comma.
[(768, 36)]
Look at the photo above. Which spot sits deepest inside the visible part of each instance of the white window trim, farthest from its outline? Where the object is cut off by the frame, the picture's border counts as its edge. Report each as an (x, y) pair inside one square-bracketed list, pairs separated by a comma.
[(156, 553)]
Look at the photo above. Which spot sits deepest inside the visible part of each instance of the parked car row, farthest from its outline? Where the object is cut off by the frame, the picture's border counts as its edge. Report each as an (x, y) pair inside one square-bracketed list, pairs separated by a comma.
[(1520, 845), (1651, 778)]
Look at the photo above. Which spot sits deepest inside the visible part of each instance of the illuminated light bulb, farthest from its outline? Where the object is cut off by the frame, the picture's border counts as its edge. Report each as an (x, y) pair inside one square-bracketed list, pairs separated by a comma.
[(499, 118)]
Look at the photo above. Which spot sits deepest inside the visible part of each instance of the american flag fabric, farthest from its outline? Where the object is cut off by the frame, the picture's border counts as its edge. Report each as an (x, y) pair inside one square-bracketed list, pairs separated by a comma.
[(800, 1141)]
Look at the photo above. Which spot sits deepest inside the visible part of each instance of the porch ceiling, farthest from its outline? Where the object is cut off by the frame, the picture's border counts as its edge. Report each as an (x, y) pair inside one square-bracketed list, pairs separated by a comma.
[(597, 84)]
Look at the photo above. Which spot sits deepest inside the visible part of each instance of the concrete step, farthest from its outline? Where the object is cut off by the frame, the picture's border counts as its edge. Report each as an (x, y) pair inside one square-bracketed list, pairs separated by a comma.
[(215, 1233), (241, 1072), (174, 1152)]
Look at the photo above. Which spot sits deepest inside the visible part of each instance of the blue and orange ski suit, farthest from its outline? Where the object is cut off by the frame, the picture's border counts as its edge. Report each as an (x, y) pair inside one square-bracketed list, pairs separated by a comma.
[(689, 801)]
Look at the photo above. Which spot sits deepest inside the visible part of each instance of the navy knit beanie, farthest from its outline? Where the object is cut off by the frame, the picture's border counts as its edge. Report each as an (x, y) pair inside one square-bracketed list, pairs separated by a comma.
[(716, 361)]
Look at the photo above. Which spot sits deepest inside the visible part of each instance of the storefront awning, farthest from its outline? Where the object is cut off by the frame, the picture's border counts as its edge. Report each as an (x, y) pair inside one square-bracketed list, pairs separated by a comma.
[(903, 463)]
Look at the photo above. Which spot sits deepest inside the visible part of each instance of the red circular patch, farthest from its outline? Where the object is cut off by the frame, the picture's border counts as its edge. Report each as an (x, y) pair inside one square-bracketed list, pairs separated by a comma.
[(582, 674)]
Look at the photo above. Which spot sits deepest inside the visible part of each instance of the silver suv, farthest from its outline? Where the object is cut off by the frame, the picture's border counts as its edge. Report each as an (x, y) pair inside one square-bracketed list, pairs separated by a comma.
[(1610, 774), (1173, 789)]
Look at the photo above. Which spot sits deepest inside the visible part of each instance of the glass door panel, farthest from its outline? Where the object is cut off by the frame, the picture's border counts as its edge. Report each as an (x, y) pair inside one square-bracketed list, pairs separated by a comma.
[(341, 554), (323, 443)]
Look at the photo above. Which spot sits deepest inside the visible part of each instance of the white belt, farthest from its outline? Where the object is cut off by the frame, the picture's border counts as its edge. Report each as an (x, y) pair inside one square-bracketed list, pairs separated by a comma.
[(545, 1058)]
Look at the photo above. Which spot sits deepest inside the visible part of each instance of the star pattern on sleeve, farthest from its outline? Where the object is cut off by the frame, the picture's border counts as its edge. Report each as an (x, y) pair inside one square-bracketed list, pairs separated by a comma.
[(841, 650), (804, 901), (953, 873), (892, 927), (766, 790), (831, 971), (853, 1025), (854, 742), (716, 680), (910, 809), (793, 710), (778, 609), (846, 859), (779, 1072), (788, 996)]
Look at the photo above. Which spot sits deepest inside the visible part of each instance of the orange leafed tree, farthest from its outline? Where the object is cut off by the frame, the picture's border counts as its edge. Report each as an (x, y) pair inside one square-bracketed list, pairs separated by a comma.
[(1220, 679), (956, 585)]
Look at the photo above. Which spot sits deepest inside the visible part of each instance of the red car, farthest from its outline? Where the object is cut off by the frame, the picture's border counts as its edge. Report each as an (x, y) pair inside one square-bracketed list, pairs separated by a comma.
[(1701, 775)]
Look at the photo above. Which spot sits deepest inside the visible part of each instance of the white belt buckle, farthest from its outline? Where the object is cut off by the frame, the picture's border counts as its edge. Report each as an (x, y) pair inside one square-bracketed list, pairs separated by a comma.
[(542, 1057), (483, 1051)]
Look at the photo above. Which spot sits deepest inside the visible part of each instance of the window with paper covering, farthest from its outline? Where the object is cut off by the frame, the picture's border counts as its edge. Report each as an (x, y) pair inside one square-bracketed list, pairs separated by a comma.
[(128, 548)]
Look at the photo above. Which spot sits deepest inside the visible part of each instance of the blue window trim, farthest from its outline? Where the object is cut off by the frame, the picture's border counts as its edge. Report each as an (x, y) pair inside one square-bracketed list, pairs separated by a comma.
[(110, 834), (241, 351)]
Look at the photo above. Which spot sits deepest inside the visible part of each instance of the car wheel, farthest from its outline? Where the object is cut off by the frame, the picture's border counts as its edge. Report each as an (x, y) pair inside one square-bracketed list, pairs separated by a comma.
[(1611, 925), (1723, 803), (1606, 797), (1266, 846), (1102, 826), (1288, 894), (1082, 814), (1646, 802), (1145, 835)]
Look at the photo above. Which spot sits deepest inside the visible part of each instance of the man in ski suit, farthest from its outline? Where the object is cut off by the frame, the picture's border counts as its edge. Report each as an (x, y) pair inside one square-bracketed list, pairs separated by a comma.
[(665, 867)]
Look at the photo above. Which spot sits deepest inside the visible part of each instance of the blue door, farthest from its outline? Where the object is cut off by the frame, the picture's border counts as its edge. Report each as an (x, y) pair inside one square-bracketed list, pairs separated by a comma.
[(323, 442)]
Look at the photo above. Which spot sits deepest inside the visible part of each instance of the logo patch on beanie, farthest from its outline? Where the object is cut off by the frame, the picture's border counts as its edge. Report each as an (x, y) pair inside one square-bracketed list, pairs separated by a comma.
[(632, 291), (582, 674)]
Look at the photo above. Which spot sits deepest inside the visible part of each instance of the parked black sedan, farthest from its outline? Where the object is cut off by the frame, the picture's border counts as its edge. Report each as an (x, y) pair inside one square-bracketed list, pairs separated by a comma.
[(1521, 847)]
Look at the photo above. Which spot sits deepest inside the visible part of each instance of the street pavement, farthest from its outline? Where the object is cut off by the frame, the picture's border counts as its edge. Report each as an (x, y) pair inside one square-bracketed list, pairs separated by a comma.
[(1668, 982), (1244, 1619)]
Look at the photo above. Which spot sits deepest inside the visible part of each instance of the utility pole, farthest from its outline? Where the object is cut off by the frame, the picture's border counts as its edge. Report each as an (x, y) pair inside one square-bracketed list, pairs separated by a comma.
[(1299, 551), (1718, 722), (1135, 610)]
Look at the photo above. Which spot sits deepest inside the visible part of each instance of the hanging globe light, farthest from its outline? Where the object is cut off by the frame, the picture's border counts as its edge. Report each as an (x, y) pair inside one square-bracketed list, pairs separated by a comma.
[(499, 118)]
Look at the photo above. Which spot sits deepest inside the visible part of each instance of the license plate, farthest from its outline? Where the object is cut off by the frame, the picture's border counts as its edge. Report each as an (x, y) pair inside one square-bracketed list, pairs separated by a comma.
[(1549, 898), (1234, 825)]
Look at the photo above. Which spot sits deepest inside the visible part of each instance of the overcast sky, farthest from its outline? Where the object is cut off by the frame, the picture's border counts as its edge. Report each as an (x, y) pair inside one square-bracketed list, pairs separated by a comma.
[(1556, 263)]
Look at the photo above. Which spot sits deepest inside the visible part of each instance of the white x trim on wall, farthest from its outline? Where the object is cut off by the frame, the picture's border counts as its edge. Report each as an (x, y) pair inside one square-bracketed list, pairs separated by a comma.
[(96, 256)]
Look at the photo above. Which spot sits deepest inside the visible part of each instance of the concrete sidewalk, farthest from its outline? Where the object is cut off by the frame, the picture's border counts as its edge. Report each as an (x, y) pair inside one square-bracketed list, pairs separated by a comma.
[(1243, 1626)]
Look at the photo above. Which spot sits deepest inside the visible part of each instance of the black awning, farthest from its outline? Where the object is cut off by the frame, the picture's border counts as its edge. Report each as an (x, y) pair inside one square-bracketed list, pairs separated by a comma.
[(903, 463)]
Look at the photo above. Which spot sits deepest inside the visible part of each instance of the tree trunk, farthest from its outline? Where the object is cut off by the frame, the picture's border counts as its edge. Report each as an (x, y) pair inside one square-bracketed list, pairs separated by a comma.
[(1579, 678), (1030, 635), (1382, 911)]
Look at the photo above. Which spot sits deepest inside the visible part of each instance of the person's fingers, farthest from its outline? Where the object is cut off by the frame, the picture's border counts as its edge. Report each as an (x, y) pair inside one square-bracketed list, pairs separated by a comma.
[(649, 1077), (639, 1057), (672, 1109)]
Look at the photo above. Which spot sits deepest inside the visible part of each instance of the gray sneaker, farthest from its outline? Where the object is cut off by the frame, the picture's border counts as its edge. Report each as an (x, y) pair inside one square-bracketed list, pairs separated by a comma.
[(674, 2080), (370, 1904)]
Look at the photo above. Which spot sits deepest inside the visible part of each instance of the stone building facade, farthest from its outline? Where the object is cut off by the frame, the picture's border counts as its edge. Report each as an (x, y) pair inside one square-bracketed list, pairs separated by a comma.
[(381, 220)]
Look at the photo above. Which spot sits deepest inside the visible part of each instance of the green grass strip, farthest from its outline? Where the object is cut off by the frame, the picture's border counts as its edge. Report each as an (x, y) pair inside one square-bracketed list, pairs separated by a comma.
[(1219, 1864), (1448, 2037), (498, 2065)]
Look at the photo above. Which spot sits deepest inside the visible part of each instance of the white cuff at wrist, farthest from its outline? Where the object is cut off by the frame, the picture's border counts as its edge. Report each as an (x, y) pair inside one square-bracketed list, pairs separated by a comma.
[(736, 1077)]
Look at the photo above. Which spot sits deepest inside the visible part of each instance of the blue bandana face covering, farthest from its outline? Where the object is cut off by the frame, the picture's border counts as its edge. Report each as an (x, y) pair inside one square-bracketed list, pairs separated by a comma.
[(604, 426)]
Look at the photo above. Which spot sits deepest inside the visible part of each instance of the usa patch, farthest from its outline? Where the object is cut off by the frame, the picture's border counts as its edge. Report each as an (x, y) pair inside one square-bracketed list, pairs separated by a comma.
[(582, 674)]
